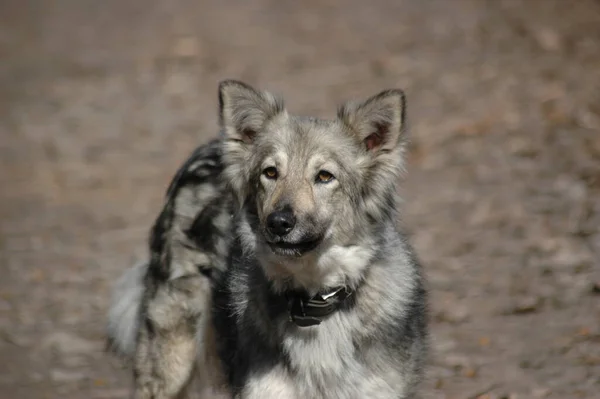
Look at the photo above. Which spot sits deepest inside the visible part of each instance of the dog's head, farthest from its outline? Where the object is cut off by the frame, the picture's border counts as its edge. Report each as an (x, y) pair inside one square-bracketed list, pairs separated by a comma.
[(309, 181)]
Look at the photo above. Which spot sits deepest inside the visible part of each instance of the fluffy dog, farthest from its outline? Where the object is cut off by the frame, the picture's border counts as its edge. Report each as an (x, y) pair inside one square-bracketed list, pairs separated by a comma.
[(277, 268)]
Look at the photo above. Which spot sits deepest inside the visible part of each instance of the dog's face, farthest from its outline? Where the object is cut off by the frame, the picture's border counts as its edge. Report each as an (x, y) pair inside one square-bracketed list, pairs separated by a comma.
[(301, 182), (309, 183)]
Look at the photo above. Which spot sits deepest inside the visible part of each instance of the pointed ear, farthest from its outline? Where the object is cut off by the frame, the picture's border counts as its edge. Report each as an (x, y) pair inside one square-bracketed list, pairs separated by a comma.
[(243, 110), (377, 122)]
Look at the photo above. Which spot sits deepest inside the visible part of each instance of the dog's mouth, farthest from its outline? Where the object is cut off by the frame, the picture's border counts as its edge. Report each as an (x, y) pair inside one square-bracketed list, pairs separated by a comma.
[(285, 248)]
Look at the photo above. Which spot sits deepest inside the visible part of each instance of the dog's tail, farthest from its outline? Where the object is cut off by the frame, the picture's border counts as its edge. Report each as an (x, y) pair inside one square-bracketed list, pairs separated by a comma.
[(124, 312)]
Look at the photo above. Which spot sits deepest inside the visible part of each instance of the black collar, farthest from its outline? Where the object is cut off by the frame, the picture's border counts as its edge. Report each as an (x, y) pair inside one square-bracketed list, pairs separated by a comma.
[(305, 311)]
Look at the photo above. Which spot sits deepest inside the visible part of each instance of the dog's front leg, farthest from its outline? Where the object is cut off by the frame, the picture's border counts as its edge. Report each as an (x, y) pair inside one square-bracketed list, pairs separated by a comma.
[(167, 345)]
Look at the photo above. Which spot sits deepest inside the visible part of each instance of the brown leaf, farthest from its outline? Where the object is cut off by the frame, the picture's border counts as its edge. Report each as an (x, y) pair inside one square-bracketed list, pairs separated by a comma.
[(470, 372), (583, 332), (98, 382)]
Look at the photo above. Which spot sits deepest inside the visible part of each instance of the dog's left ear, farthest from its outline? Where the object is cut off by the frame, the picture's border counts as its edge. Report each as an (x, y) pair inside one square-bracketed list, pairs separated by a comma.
[(243, 110), (378, 122)]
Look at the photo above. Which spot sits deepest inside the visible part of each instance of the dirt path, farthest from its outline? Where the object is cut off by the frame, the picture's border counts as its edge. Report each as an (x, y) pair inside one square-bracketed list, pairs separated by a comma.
[(101, 101)]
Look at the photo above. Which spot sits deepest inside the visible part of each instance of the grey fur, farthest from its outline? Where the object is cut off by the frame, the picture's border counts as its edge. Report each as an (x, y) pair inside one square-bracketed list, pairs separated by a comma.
[(335, 183), (163, 305), (125, 307)]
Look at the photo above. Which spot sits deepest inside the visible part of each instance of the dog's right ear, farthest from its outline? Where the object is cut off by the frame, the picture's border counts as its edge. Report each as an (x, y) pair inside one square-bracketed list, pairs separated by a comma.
[(243, 110)]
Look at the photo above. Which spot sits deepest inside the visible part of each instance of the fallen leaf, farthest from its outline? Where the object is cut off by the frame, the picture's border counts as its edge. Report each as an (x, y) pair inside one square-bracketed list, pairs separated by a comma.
[(583, 332), (470, 373), (98, 382), (475, 128)]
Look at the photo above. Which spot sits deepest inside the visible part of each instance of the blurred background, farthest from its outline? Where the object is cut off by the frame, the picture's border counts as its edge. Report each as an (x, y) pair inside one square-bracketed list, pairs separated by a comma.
[(101, 101)]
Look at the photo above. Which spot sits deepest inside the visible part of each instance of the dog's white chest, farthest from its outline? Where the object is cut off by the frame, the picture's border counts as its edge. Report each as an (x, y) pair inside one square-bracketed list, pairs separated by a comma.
[(322, 359), (326, 364)]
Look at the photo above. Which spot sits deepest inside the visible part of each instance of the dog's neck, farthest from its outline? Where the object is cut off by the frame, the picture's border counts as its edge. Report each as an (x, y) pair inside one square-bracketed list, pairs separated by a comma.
[(307, 311)]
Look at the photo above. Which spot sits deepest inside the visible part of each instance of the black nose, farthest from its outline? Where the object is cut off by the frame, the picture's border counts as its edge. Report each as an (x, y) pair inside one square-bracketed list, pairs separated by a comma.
[(281, 222)]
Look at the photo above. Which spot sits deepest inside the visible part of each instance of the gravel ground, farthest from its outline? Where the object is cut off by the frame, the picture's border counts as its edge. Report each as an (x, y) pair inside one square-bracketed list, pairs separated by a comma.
[(101, 101)]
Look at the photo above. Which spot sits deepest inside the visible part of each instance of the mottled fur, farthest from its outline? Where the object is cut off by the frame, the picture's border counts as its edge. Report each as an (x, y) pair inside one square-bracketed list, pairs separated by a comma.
[(301, 204), (160, 307)]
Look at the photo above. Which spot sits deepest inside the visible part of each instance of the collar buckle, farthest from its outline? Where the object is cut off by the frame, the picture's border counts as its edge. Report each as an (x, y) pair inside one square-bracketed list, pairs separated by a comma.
[(307, 312)]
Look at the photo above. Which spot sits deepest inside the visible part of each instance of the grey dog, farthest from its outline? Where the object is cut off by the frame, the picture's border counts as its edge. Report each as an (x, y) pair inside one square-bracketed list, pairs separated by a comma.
[(277, 268)]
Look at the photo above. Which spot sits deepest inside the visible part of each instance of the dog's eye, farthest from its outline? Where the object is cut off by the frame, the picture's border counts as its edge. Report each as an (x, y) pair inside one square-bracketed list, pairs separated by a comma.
[(270, 173), (324, 177)]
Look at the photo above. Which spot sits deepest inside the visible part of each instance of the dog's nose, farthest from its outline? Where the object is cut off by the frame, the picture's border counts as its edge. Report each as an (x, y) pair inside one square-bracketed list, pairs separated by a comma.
[(281, 222)]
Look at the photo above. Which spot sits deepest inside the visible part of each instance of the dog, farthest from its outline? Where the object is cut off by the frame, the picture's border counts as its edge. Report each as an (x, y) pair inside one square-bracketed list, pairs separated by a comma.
[(277, 268)]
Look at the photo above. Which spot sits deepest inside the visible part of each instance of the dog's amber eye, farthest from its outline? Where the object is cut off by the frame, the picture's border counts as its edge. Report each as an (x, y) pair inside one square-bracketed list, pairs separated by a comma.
[(324, 177), (270, 173)]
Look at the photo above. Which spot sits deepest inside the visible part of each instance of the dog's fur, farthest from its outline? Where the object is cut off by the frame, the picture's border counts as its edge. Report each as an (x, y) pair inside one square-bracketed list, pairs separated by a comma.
[(160, 307), (220, 243)]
